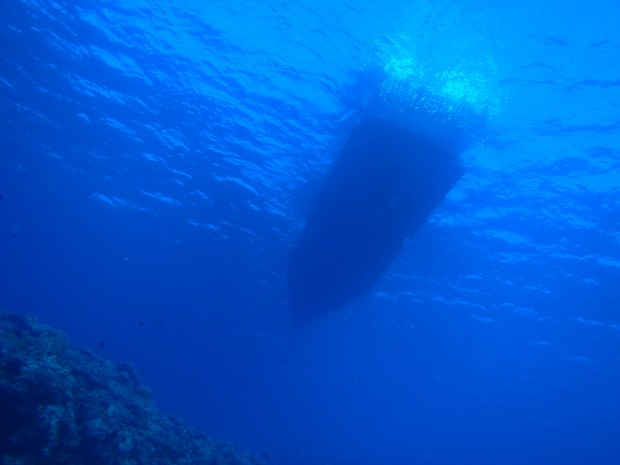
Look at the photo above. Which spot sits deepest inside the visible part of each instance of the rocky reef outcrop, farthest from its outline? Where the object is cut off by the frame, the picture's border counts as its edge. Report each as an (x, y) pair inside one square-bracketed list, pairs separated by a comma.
[(64, 405)]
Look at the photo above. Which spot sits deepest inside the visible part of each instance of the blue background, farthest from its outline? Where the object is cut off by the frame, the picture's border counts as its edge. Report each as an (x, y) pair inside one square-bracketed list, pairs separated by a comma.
[(157, 161)]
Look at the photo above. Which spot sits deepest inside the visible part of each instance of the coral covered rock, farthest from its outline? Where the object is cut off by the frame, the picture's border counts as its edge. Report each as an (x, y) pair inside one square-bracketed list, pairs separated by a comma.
[(64, 405)]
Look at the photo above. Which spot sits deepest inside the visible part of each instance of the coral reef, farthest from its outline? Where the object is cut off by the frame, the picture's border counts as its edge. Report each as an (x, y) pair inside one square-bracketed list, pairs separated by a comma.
[(63, 405)]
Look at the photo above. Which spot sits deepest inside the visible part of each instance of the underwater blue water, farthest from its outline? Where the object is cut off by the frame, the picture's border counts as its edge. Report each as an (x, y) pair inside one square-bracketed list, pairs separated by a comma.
[(158, 159)]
